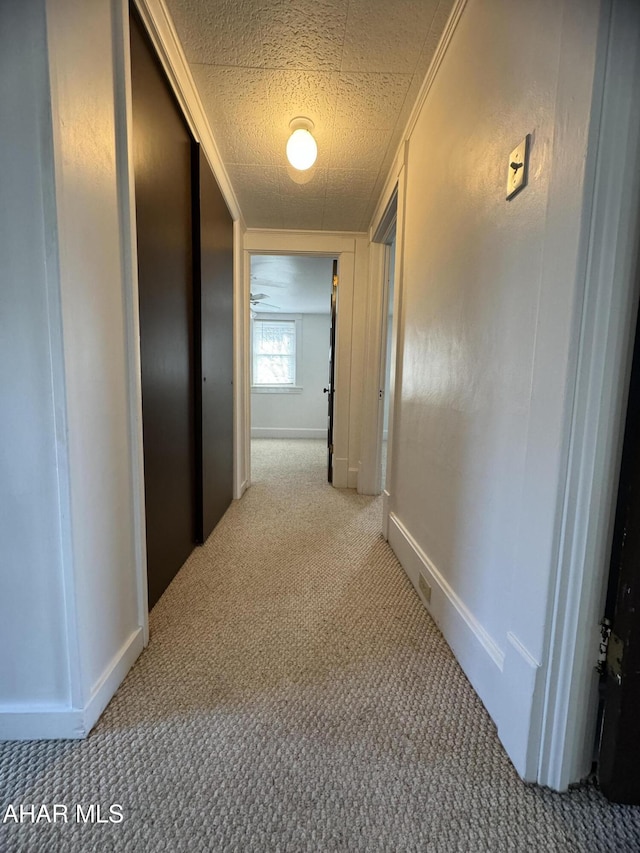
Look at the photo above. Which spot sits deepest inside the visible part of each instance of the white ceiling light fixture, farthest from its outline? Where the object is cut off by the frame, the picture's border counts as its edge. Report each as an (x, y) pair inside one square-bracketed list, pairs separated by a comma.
[(302, 149)]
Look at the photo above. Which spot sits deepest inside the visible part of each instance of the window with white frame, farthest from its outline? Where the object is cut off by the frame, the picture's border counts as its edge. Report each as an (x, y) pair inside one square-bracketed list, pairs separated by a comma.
[(276, 352)]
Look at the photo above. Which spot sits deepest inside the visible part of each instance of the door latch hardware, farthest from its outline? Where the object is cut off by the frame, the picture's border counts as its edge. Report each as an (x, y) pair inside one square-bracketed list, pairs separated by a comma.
[(605, 633), (614, 657)]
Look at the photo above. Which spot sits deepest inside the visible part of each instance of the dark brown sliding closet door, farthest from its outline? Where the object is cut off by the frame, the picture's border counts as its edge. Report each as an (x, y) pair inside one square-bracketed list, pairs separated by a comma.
[(213, 253), (162, 163)]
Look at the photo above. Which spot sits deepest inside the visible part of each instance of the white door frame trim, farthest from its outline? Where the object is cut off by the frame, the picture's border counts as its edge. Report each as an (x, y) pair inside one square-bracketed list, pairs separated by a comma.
[(597, 423), (377, 341), (241, 365), (337, 245), (127, 202), (370, 450), (394, 193)]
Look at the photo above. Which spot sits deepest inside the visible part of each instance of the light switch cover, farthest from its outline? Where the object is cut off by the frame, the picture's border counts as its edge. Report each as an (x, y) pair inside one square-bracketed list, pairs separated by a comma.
[(518, 168)]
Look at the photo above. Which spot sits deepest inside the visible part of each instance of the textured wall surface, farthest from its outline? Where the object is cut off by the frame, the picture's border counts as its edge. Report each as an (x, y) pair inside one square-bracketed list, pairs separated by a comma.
[(354, 69), (36, 672), (94, 319), (489, 306), (472, 276)]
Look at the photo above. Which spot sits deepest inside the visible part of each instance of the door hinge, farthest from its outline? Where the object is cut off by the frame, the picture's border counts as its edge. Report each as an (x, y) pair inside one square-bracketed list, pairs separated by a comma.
[(335, 281), (331, 448), (605, 633)]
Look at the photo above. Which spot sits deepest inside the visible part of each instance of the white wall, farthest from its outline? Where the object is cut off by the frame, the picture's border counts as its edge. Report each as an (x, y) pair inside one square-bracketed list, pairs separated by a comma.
[(71, 587), (304, 414), (490, 303), (73, 608), (94, 318), (34, 666)]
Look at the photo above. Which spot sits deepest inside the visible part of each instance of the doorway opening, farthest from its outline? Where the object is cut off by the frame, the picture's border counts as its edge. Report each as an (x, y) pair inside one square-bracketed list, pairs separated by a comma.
[(293, 310), (382, 367)]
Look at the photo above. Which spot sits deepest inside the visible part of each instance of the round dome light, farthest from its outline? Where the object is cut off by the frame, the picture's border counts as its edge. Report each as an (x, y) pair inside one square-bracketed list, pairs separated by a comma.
[(302, 149)]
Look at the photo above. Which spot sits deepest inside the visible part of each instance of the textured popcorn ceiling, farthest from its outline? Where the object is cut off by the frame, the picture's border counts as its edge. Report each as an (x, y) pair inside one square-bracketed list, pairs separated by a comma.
[(354, 67)]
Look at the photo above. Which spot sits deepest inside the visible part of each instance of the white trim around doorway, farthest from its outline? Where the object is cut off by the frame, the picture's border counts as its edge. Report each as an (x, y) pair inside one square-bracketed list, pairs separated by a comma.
[(605, 349), (341, 246), (390, 212)]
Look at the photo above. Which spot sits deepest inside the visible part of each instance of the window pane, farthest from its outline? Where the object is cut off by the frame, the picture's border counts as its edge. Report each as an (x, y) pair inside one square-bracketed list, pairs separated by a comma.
[(274, 352), (276, 338), (274, 370)]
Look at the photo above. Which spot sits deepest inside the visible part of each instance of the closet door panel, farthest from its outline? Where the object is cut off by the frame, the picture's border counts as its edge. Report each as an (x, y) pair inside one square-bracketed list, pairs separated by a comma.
[(162, 164), (215, 325)]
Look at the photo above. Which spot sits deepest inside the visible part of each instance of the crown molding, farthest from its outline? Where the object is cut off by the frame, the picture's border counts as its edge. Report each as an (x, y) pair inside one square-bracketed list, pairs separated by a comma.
[(401, 153), (162, 32)]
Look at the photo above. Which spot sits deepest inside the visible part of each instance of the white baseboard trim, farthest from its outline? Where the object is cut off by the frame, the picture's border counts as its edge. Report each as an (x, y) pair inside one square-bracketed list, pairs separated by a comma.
[(106, 686), (44, 723), (56, 723), (510, 683), (285, 432), (522, 697), (340, 473), (386, 511), (477, 652), (352, 478)]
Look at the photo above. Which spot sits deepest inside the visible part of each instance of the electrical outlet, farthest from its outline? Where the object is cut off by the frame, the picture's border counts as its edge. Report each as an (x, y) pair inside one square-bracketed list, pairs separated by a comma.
[(425, 589)]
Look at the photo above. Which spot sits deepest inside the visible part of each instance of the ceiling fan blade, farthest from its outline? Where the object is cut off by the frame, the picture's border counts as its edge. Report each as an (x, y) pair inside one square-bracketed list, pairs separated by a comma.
[(266, 281)]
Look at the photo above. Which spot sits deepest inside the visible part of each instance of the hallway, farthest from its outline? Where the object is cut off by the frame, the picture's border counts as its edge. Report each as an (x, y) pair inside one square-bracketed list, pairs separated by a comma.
[(296, 696)]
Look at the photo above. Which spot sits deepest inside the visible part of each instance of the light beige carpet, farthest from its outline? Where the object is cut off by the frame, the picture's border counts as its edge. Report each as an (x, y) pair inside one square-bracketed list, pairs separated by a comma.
[(296, 696)]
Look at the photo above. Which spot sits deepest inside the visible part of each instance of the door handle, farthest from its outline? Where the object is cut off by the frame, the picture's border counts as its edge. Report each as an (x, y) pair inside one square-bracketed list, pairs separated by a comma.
[(326, 390)]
